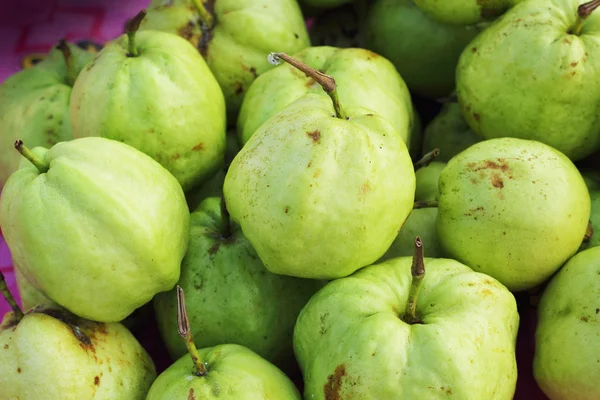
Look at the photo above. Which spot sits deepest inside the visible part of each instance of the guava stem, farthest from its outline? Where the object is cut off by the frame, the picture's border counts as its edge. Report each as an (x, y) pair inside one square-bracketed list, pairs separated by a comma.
[(132, 27), (28, 154), (183, 328), (327, 82), (417, 272), (66, 51), (205, 17), (583, 11), (589, 232), (427, 159), (226, 219), (425, 204), (17, 312)]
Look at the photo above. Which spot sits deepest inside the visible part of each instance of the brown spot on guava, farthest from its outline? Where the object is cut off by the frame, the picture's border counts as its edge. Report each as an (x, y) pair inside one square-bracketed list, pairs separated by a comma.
[(317, 173), (315, 136), (187, 32), (574, 64), (239, 88), (496, 180), (597, 310), (19, 370), (175, 156), (309, 164), (5, 346), (96, 380), (476, 116), (286, 210), (585, 319), (214, 248), (474, 49), (253, 72), (191, 395), (364, 188), (198, 147), (295, 34), (334, 383)]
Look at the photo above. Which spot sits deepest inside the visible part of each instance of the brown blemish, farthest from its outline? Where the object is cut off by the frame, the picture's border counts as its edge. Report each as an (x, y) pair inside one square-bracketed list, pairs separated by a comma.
[(334, 383), (253, 72), (97, 380), (574, 64), (239, 88), (317, 173), (198, 147), (585, 319), (487, 292), (286, 210), (474, 49), (496, 180), (191, 395), (567, 41), (175, 156), (187, 32), (19, 370), (214, 248), (315, 136), (309, 164), (476, 116), (5, 346), (365, 188), (597, 310)]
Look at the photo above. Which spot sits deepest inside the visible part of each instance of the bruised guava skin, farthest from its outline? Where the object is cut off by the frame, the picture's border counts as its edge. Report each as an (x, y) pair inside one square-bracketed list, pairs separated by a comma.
[(234, 372), (319, 196), (567, 349), (235, 48), (351, 341), (34, 106), (527, 77), (165, 102), (514, 209), (52, 354), (463, 12), (231, 296), (363, 78), (101, 232)]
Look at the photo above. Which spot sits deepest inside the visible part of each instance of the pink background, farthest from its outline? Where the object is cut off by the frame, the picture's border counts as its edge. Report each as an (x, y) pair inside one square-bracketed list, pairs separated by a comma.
[(32, 26)]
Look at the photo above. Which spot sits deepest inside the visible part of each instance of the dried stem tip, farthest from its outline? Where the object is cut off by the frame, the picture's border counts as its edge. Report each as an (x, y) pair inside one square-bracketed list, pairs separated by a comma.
[(183, 328)]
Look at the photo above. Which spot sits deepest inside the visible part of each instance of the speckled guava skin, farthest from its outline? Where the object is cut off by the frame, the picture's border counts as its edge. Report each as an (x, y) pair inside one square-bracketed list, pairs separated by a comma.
[(527, 77), (363, 79), (463, 12), (164, 101), (567, 346), (514, 209), (318, 196), (234, 372), (352, 343)]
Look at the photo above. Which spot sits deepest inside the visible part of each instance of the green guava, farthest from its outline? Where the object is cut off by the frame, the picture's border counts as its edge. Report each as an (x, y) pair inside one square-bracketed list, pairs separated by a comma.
[(34, 104), (449, 132), (153, 91), (363, 79), (514, 209), (369, 336), (231, 296), (234, 36), (463, 12), (567, 349), (530, 76), (424, 51), (96, 226), (427, 181)]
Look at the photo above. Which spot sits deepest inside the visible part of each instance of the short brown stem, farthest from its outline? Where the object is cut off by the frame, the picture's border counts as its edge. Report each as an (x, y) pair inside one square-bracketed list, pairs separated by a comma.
[(132, 27), (425, 204), (66, 51), (589, 232), (17, 312), (417, 272), (28, 154), (427, 159), (583, 12), (327, 82), (183, 328)]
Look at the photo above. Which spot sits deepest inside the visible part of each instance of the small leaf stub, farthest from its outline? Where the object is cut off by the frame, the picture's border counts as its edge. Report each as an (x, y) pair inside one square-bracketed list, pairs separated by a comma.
[(274, 59)]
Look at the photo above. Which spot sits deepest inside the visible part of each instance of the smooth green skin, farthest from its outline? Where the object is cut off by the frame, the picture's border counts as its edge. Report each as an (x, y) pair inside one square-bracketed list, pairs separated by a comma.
[(567, 351), (425, 52), (234, 372), (427, 181), (41, 358), (514, 209), (526, 77), (175, 110), (420, 222), (34, 106), (230, 296), (449, 132), (30, 296), (319, 196), (463, 12), (363, 79), (246, 31), (101, 232), (351, 342)]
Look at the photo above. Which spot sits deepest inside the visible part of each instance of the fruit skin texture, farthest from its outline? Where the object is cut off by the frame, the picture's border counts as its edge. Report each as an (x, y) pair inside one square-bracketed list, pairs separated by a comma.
[(245, 32), (424, 51), (164, 102), (463, 12), (41, 358), (351, 342), (233, 371), (101, 232), (34, 106), (512, 208), (318, 196), (231, 297), (526, 77), (363, 79), (567, 351)]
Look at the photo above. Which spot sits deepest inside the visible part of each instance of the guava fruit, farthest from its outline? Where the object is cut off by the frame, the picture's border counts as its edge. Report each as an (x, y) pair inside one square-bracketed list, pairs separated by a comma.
[(49, 353), (528, 76), (234, 36), (427, 181), (463, 12), (95, 225), (34, 104), (447, 332), (232, 298), (363, 78), (594, 219), (342, 27), (226, 370), (567, 348), (424, 51), (320, 189), (449, 132), (514, 209), (153, 91)]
